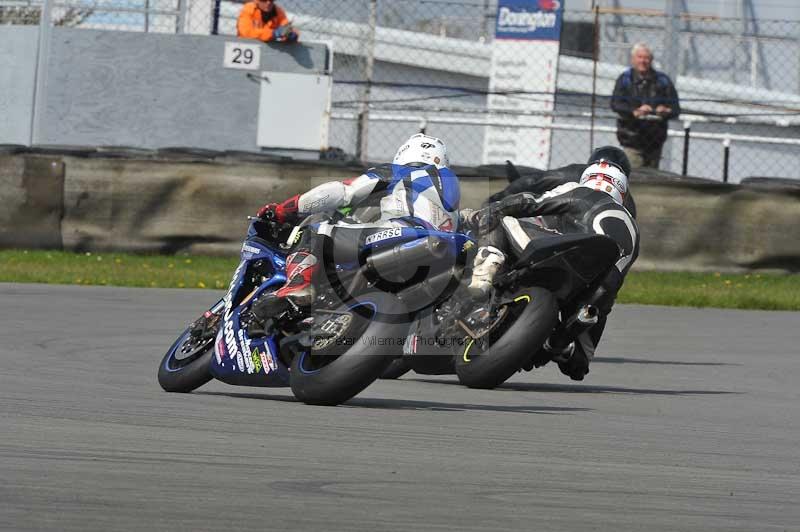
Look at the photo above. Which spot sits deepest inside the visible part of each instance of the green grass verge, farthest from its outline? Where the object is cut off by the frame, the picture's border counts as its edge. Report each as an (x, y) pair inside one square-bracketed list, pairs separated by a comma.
[(746, 291), (116, 269), (741, 291)]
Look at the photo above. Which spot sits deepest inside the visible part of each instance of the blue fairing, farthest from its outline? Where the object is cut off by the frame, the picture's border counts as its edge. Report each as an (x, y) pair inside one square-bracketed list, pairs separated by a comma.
[(239, 359)]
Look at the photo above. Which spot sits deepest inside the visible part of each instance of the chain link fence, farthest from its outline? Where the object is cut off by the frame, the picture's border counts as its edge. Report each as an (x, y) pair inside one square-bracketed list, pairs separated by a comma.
[(403, 67), (156, 16), (738, 82)]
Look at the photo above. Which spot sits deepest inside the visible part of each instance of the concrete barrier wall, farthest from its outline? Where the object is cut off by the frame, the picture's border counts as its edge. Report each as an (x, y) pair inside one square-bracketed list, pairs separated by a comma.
[(200, 205), (147, 90), (704, 226), (31, 201), (166, 207)]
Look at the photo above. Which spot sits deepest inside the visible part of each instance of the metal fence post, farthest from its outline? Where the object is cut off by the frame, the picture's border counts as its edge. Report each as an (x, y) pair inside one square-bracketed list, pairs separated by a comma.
[(687, 128), (595, 59), (180, 23), (726, 153), (672, 46), (672, 39), (363, 115), (42, 55), (215, 18)]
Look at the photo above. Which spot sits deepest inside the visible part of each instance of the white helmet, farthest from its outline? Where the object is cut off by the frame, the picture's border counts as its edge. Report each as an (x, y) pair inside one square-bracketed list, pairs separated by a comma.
[(423, 149), (606, 178)]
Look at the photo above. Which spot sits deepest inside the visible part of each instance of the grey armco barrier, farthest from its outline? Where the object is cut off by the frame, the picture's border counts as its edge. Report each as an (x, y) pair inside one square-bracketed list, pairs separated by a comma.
[(198, 202), (31, 201)]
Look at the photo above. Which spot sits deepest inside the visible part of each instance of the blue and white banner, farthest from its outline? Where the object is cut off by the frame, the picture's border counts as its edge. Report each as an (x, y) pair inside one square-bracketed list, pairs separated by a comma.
[(524, 69), (529, 20)]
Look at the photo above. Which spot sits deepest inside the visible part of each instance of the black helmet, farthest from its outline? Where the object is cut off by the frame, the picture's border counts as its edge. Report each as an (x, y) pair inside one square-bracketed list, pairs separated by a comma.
[(611, 155)]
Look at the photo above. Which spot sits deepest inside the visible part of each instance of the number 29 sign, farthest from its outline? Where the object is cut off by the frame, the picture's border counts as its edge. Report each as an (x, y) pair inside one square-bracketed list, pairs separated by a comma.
[(244, 56)]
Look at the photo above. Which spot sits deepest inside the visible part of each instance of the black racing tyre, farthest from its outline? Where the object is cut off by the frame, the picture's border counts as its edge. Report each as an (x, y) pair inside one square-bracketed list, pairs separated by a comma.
[(366, 341), (529, 320), (396, 369), (185, 367)]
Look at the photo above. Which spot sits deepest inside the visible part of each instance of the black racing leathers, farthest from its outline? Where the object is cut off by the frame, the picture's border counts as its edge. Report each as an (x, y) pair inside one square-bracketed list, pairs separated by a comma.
[(541, 181), (570, 208)]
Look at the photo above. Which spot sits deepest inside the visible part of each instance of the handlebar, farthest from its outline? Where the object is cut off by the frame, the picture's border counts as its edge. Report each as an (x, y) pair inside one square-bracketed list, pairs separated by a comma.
[(274, 229)]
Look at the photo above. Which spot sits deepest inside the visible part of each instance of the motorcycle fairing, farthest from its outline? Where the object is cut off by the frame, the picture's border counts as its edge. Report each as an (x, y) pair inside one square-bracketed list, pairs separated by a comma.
[(247, 361), (239, 359), (565, 264)]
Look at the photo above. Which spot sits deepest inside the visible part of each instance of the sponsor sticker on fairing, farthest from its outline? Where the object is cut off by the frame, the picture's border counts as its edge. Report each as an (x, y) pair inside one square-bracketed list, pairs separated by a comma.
[(268, 360), (249, 251), (230, 340), (256, 358), (265, 362), (245, 345), (231, 287), (383, 235), (273, 365), (248, 364), (220, 349)]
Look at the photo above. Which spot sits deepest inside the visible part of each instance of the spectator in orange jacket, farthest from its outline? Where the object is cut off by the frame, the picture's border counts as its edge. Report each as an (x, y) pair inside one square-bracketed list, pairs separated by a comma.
[(266, 21)]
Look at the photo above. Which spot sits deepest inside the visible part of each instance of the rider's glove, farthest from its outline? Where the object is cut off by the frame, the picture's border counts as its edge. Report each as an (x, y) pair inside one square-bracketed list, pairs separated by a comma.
[(281, 32), (267, 212), (281, 212), (292, 36), (483, 221)]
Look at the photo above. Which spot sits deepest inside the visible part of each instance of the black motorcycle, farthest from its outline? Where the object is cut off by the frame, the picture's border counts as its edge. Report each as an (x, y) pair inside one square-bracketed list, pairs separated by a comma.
[(538, 300)]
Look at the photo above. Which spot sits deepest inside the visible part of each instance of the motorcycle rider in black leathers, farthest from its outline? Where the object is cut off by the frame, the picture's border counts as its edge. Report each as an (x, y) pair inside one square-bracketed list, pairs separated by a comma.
[(594, 205)]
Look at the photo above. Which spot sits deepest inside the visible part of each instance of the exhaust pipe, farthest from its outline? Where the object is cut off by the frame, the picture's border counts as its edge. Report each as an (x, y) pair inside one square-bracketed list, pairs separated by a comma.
[(435, 288), (405, 258), (400, 261), (560, 342)]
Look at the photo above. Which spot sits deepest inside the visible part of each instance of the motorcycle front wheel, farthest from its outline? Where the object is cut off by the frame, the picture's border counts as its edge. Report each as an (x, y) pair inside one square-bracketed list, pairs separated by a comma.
[(185, 367)]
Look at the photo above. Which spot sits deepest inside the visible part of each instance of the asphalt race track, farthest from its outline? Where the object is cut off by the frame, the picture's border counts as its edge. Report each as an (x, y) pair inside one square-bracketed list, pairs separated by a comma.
[(689, 420)]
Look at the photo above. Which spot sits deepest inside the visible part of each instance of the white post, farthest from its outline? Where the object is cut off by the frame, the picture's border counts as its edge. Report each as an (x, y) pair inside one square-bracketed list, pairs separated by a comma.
[(42, 56), (669, 61), (363, 130), (181, 22)]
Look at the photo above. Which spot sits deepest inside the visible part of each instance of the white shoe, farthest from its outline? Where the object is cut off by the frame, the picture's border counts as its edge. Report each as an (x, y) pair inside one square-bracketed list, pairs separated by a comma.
[(485, 266)]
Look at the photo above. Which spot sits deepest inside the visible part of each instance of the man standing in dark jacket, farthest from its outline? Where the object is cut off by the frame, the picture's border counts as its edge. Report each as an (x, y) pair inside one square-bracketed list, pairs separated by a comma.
[(645, 100)]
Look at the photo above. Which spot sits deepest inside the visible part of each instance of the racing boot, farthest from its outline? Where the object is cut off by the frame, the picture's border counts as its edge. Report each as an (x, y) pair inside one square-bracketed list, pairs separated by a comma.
[(575, 367), (487, 262), (300, 269)]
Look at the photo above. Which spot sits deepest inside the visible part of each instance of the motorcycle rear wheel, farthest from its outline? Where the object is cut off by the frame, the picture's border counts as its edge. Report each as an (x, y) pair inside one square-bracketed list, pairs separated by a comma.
[(366, 342), (489, 362), (396, 369)]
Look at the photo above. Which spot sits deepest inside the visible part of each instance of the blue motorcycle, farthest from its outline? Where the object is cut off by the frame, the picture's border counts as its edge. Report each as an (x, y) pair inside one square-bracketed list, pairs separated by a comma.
[(328, 352)]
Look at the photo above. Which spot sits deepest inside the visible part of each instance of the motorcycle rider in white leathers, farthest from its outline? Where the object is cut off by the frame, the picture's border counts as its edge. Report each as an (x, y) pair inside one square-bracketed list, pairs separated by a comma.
[(416, 189)]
